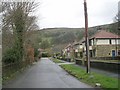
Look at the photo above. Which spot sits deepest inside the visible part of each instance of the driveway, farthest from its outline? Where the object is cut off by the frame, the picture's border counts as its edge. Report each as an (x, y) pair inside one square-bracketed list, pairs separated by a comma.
[(45, 74)]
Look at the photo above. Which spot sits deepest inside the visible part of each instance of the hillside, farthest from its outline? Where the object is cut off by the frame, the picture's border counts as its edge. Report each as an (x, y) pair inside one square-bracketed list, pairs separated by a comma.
[(56, 39)]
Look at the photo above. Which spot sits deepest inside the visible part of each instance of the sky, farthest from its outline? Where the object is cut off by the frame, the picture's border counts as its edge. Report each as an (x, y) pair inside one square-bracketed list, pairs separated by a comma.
[(70, 13)]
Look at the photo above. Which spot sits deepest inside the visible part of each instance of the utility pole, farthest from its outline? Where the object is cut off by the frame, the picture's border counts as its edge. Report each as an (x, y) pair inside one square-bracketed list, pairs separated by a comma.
[(86, 37)]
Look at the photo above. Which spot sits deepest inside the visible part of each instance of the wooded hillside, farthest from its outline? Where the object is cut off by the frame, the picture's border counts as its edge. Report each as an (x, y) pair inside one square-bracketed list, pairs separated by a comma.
[(58, 38)]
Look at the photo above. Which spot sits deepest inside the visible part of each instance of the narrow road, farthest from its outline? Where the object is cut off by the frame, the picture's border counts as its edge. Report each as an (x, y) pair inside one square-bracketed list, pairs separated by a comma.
[(45, 74)]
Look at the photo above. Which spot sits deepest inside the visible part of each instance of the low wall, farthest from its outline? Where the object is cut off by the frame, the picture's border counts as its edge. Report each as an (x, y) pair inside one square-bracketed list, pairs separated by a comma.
[(107, 58), (65, 59), (112, 67)]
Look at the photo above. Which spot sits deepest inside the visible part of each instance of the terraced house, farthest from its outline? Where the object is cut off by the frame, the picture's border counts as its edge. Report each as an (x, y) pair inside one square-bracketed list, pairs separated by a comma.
[(104, 45), (78, 49), (67, 52)]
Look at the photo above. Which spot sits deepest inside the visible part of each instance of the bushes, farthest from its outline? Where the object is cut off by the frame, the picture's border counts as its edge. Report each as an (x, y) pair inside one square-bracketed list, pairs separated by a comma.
[(11, 55), (36, 52), (45, 54)]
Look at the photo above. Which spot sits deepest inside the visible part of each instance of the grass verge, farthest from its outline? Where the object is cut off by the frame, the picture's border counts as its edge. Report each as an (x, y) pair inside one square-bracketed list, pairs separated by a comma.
[(12, 74), (56, 60), (107, 83)]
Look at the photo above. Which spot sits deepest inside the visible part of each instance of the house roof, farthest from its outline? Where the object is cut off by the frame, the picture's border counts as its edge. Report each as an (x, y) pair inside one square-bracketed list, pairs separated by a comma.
[(82, 40), (104, 34), (69, 45), (75, 43)]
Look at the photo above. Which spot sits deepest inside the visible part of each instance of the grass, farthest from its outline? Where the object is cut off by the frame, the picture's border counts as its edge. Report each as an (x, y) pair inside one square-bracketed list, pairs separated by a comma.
[(56, 60), (106, 82)]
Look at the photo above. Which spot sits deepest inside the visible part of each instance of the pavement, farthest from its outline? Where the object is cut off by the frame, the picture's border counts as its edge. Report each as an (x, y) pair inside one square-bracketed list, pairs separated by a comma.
[(45, 74)]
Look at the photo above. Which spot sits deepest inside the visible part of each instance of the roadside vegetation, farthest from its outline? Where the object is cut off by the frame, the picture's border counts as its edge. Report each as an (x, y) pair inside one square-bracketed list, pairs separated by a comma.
[(105, 82), (18, 24), (56, 60)]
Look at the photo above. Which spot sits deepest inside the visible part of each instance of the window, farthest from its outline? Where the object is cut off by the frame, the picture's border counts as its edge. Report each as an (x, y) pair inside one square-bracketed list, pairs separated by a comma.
[(94, 53), (91, 55), (118, 52), (110, 41), (90, 43)]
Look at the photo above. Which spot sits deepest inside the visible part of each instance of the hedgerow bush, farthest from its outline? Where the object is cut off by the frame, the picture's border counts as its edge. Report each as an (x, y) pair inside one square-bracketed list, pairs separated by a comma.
[(36, 52), (11, 55), (46, 54)]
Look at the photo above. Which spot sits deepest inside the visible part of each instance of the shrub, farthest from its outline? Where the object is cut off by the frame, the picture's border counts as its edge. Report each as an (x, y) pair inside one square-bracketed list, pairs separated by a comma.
[(11, 55), (36, 52), (45, 54)]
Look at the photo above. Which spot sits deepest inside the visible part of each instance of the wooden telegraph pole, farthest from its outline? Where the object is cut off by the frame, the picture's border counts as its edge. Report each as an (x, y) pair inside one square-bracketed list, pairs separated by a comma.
[(86, 37)]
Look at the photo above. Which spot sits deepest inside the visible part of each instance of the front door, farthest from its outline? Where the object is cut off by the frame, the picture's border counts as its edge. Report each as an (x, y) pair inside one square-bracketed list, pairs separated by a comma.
[(113, 53)]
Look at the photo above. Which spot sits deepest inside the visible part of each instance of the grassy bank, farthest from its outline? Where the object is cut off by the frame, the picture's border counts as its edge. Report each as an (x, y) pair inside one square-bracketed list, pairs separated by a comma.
[(56, 60), (10, 71), (106, 82), (12, 74)]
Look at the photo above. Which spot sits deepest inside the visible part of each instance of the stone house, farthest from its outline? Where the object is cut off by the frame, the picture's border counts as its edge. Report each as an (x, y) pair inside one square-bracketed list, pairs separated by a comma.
[(78, 49), (68, 52), (104, 44)]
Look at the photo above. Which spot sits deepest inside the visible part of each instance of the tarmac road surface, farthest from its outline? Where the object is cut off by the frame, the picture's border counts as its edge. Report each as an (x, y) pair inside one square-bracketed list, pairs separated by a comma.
[(45, 74)]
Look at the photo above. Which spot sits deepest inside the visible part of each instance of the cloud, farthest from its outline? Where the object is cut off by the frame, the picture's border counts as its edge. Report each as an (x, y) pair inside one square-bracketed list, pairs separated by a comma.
[(70, 13)]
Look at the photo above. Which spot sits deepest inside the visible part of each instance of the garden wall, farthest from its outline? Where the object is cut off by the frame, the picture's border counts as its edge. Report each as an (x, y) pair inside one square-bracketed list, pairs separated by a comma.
[(112, 67)]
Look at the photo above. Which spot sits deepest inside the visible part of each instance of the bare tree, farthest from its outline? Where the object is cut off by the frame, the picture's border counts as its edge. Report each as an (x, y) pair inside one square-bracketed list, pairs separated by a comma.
[(17, 19), (117, 17), (117, 21)]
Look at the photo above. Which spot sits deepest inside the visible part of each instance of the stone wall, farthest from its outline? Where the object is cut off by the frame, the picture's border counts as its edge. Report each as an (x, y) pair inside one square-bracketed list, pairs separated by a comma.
[(112, 67), (105, 50)]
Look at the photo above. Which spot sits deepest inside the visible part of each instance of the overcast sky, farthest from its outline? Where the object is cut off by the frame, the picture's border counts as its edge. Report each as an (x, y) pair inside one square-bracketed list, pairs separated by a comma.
[(70, 13)]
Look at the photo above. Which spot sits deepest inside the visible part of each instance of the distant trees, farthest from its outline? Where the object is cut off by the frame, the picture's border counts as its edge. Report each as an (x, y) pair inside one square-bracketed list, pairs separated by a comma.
[(117, 23), (117, 17), (64, 38), (18, 21), (45, 44)]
